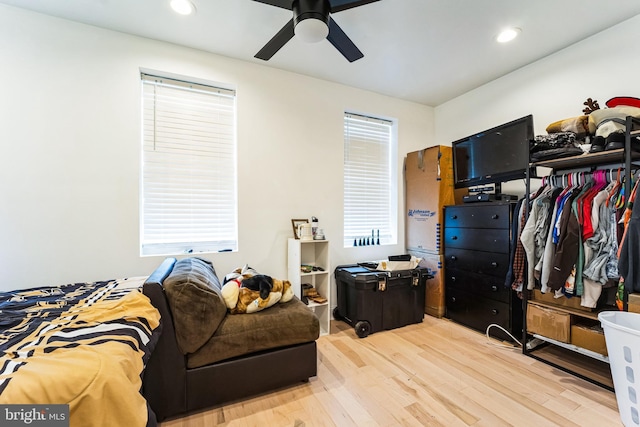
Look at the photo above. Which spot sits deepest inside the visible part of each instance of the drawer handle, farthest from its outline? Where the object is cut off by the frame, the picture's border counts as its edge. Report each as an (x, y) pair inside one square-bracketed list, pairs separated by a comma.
[(494, 264), (494, 288), (454, 237), (453, 299), (453, 257), (494, 216), (494, 311), (453, 278), (454, 216)]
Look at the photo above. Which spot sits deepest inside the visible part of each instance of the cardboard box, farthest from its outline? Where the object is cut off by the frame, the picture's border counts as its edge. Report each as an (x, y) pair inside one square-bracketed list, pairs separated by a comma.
[(428, 188), (590, 337), (633, 304), (548, 322), (573, 302), (434, 302)]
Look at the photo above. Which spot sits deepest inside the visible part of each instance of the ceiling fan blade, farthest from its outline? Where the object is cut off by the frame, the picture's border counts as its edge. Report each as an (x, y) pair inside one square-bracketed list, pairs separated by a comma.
[(342, 42), (280, 39), (340, 5), (285, 4)]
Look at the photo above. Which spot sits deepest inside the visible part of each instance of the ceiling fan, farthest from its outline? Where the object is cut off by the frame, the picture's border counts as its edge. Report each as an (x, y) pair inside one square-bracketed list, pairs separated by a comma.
[(312, 22)]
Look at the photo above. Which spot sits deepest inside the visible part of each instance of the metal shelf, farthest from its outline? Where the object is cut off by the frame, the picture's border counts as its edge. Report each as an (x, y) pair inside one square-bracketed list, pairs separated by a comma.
[(577, 349), (575, 363), (602, 158), (587, 159), (578, 361)]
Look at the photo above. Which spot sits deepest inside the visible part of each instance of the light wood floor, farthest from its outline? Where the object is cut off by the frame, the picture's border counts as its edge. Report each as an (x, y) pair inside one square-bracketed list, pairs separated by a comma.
[(436, 373)]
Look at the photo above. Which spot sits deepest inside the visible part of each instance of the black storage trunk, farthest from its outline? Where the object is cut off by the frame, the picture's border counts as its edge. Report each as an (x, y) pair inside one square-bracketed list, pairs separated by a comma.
[(372, 301)]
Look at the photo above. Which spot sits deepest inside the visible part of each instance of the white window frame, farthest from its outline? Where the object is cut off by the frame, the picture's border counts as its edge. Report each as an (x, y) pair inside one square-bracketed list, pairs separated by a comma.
[(370, 180), (188, 182)]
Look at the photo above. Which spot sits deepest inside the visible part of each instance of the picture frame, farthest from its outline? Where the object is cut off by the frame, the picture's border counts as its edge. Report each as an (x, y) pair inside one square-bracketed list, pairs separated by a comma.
[(295, 223)]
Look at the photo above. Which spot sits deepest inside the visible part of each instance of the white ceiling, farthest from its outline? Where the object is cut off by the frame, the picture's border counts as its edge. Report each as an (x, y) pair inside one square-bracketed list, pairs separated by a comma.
[(427, 51)]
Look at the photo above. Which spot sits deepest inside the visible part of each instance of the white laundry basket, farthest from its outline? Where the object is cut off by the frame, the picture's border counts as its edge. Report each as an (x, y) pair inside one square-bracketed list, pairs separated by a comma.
[(622, 335)]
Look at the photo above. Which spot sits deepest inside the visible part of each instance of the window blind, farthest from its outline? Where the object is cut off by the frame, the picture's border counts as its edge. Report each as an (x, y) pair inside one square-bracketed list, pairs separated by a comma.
[(369, 180), (188, 195)]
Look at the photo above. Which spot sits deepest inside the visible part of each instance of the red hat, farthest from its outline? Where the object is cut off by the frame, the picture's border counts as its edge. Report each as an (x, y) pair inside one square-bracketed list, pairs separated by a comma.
[(623, 100)]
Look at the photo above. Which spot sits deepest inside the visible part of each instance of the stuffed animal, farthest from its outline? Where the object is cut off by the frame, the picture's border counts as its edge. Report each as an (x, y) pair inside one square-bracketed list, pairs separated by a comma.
[(247, 294), (240, 273)]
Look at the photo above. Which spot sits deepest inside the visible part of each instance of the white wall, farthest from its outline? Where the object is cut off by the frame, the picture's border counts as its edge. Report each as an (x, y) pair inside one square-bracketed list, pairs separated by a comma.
[(70, 137), (600, 67)]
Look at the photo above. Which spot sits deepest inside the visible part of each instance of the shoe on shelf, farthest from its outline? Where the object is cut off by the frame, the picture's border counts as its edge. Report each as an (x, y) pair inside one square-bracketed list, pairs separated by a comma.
[(597, 144), (614, 141)]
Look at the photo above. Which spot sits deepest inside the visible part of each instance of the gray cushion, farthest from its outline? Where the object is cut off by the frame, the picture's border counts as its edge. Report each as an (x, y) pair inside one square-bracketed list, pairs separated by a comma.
[(197, 306)]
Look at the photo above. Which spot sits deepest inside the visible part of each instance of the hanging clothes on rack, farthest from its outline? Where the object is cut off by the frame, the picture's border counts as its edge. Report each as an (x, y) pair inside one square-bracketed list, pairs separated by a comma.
[(515, 225), (591, 242), (533, 234), (520, 253), (544, 265), (604, 242), (552, 233), (573, 284), (567, 241), (630, 247), (519, 258), (570, 233)]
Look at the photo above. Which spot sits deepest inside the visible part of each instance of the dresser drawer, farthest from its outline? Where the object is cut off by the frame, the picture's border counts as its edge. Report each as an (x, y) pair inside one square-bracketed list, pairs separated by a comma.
[(489, 287), (478, 216), (492, 263), (477, 239), (478, 313)]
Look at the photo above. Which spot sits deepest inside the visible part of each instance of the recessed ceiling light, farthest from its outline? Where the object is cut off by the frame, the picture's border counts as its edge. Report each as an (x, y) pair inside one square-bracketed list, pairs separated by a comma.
[(183, 7), (508, 35)]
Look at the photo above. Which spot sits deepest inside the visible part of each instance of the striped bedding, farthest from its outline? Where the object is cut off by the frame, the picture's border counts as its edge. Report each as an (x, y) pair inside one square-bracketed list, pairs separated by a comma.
[(83, 344)]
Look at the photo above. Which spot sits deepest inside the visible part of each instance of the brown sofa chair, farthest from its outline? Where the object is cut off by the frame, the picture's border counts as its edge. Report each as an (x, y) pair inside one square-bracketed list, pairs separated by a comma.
[(247, 354)]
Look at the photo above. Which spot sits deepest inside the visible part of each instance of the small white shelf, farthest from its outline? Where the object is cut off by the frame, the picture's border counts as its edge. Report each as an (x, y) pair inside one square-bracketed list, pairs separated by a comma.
[(314, 253), (313, 273), (313, 304)]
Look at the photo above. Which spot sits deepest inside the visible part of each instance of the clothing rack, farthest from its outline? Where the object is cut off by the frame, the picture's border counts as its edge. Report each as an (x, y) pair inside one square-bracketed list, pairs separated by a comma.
[(600, 175), (583, 177), (608, 165)]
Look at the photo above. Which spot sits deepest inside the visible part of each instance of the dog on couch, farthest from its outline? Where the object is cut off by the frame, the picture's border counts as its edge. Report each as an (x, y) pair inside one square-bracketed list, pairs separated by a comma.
[(247, 291)]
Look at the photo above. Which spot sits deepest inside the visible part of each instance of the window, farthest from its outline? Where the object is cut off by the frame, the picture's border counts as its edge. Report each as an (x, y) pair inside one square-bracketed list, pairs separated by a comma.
[(188, 189), (370, 180)]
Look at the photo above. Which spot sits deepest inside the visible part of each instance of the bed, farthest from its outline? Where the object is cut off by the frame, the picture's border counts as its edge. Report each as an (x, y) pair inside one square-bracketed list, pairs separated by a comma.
[(82, 344)]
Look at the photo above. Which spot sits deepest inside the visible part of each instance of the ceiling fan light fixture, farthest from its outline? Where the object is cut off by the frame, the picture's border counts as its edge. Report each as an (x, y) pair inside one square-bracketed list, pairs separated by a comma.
[(183, 7), (508, 34), (311, 23), (311, 30)]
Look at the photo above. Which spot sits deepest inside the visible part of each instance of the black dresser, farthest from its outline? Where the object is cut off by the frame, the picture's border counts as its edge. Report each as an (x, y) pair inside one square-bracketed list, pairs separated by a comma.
[(477, 246)]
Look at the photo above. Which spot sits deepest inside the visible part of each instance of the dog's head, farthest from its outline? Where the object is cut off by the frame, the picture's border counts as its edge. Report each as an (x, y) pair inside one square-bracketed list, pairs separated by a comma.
[(260, 283)]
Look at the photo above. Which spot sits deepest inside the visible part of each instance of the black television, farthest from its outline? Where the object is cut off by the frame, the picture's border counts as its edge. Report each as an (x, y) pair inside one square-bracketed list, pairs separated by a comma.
[(494, 156)]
